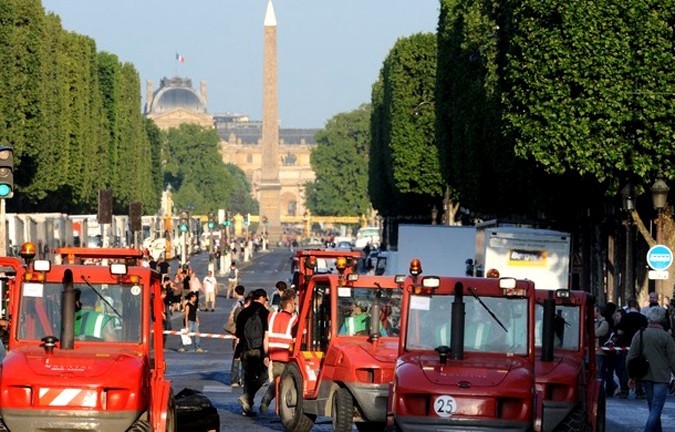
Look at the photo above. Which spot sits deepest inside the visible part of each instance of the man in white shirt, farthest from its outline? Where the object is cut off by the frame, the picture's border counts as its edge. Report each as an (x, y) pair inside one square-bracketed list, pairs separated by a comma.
[(210, 285)]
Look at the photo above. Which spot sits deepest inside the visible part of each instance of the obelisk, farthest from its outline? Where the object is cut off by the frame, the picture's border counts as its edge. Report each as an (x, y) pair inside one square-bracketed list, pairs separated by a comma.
[(270, 187)]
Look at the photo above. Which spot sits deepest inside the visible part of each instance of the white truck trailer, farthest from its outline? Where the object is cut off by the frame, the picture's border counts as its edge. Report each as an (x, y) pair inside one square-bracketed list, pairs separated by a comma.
[(443, 250), (540, 255)]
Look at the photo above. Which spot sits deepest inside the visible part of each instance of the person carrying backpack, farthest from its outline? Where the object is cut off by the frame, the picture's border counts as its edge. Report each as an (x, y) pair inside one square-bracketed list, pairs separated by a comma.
[(253, 347), (231, 327)]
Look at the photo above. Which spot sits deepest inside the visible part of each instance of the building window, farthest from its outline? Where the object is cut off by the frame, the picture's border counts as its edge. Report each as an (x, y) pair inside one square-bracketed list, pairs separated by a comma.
[(289, 159), (249, 158)]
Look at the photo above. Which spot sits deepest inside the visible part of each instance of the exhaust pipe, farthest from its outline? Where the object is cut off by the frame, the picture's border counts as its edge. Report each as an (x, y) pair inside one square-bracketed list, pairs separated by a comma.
[(457, 333), (548, 329), (67, 311)]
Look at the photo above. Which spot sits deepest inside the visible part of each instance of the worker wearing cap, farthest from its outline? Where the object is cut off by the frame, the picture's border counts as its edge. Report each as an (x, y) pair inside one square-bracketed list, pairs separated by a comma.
[(358, 321)]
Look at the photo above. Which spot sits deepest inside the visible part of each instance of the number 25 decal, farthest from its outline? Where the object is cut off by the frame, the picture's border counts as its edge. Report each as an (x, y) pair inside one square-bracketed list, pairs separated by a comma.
[(445, 406)]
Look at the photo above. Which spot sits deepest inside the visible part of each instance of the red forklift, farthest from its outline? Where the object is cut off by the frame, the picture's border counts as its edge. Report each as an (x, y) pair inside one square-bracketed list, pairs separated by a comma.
[(308, 262), (57, 376), (466, 355), (343, 358), (569, 394)]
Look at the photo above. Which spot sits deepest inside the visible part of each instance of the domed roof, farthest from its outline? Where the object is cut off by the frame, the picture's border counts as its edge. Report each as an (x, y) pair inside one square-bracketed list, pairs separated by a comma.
[(176, 93)]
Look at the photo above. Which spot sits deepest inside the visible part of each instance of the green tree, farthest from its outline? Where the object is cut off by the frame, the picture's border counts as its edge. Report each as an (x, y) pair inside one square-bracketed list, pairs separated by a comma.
[(156, 142), (195, 169), (477, 156), (241, 200), (589, 87), (341, 183), (404, 144), (72, 116)]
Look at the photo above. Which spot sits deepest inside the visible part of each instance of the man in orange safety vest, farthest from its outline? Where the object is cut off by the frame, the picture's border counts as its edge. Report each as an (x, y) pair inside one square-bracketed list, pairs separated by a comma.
[(282, 326)]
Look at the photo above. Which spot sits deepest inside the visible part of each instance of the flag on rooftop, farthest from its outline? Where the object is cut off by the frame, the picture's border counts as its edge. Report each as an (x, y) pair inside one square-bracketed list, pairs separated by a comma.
[(180, 58)]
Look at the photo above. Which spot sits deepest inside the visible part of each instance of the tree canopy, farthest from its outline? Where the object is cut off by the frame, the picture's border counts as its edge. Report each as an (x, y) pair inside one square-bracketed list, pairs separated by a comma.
[(72, 116), (195, 170), (405, 176), (589, 87), (341, 170)]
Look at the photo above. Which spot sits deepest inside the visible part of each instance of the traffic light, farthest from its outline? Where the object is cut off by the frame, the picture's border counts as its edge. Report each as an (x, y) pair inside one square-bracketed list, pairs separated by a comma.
[(105, 206), (212, 221), (228, 219), (135, 216), (184, 222), (6, 172)]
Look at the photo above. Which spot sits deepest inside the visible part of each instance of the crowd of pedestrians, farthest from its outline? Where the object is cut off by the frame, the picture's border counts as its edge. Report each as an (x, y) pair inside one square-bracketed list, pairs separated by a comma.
[(649, 331)]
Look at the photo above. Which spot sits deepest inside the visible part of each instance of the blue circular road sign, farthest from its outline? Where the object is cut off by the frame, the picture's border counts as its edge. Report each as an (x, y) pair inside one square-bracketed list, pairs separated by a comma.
[(659, 257)]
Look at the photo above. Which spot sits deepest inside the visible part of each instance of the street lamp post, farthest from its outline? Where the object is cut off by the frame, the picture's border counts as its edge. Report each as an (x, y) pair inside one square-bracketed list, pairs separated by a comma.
[(629, 276), (659, 199)]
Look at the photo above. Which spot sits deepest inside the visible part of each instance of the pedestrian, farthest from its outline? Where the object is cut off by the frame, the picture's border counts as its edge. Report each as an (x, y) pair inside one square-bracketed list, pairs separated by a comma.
[(282, 330), (210, 285), (191, 321), (195, 285), (276, 297), (253, 347), (602, 333), (166, 313), (232, 279), (178, 287), (659, 350), (163, 266), (630, 324), (654, 302), (671, 316), (622, 345), (231, 327), (610, 357), (152, 263)]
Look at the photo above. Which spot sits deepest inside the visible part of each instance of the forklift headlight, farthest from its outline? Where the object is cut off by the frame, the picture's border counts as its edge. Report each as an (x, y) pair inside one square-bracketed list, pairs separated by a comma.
[(431, 282), (562, 293), (352, 277), (42, 265), (118, 269)]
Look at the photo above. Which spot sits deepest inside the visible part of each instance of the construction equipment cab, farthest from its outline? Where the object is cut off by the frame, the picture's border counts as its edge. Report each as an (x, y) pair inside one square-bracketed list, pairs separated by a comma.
[(466, 355), (569, 393), (343, 358), (320, 261), (81, 353)]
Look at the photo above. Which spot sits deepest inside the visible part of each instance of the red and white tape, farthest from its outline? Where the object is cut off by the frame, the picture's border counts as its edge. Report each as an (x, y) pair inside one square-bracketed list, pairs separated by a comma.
[(612, 348), (201, 335)]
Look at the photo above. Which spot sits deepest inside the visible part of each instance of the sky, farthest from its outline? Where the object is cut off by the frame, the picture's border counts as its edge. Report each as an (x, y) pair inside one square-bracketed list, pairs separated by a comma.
[(330, 52)]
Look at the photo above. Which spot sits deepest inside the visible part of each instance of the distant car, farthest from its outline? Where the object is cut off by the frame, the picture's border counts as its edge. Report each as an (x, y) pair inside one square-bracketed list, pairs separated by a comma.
[(345, 245)]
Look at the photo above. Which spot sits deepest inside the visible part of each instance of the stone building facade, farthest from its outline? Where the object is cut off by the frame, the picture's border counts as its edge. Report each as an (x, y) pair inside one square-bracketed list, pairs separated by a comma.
[(175, 102)]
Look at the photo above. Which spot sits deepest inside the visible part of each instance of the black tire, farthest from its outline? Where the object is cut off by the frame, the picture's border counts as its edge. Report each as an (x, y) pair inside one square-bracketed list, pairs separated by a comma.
[(602, 411), (370, 427), (171, 413), (343, 410), (576, 421), (140, 426), (292, 415)]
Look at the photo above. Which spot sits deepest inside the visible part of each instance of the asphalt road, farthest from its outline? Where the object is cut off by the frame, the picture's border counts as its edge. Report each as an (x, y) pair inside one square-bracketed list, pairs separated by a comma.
[(209, 372)]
